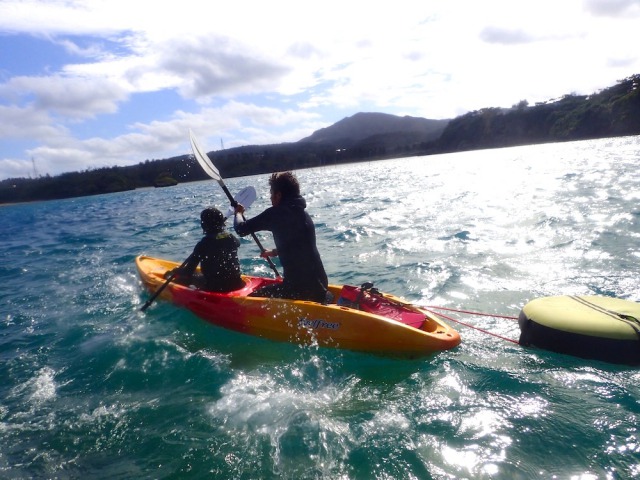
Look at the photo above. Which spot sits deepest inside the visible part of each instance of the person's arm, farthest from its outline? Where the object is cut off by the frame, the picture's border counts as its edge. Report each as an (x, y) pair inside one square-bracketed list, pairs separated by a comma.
[(258, 223), (191, 265), (238, 223), (187, 270)]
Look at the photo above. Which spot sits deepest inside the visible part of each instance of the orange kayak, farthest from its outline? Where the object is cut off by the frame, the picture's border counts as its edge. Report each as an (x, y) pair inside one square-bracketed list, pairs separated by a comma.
[(358, 319)]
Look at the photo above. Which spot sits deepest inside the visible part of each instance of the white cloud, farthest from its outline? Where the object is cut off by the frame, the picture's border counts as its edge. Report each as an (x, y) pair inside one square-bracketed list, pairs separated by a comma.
[(266, 72), (26, 123), (70, 97), (614, 8), (214, 65), (235, 123)]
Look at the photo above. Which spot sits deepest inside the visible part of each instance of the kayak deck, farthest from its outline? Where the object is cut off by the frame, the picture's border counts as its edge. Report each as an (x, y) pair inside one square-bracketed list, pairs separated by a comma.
[(356, 318)]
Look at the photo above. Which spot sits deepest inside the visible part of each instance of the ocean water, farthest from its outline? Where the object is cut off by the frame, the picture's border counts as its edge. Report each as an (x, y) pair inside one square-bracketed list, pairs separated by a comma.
[(90, 387)]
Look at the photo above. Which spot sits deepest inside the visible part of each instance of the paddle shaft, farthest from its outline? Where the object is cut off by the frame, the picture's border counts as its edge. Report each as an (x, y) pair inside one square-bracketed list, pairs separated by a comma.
[(163, 286), (210, 169), (253, 235)]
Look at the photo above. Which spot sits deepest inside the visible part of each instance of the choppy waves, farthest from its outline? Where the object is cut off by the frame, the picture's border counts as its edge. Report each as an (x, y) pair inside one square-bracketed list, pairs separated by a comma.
[(92, 387)]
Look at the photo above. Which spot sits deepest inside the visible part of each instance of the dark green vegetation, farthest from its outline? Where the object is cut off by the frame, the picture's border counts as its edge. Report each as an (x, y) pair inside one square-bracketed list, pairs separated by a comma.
[(614, 111)]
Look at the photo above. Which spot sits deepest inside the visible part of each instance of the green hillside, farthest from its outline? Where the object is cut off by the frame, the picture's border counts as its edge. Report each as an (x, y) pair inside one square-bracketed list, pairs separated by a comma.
[(614, 111)]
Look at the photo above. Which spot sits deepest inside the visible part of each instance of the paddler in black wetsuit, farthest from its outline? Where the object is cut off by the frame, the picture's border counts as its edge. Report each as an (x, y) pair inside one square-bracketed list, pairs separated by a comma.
[(217, 254), (294, 235)]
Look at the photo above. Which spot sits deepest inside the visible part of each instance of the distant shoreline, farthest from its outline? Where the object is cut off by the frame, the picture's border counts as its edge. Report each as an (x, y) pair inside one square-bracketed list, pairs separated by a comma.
[(364, 137)]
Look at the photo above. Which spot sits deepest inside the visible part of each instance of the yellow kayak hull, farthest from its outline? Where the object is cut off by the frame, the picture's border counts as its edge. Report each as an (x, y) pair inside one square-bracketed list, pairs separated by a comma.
[(413, 332)]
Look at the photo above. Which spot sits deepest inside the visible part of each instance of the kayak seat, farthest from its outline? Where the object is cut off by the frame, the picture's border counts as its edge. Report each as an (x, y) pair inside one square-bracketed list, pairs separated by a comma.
[(251, 284), (413, 319)]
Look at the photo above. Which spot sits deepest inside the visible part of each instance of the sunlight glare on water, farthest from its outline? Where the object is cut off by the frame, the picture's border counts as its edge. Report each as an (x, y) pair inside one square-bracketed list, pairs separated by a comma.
[(92, 387)]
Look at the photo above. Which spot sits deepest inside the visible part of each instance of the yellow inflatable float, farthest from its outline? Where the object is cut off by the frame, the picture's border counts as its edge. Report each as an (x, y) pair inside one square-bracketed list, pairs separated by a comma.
[(595, 327)]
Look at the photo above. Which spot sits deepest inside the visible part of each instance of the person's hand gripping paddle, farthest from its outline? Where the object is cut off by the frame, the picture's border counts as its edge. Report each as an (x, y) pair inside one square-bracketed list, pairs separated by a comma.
[(211, 170)]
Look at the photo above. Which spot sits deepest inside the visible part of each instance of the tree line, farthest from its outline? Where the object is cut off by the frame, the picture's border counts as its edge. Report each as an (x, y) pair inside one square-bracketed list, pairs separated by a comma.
[(614, 111)]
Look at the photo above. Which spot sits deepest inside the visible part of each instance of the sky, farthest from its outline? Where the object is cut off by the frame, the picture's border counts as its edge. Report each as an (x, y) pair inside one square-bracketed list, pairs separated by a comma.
[(96, 83)]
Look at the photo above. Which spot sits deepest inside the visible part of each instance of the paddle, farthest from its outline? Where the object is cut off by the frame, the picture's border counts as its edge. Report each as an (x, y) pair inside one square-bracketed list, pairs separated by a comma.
[(164, 285), (211, 170), (246, 197)]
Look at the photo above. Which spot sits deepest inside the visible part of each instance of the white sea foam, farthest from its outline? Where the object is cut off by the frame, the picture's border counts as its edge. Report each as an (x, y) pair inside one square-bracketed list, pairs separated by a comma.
[(91, 387), (43, 386)]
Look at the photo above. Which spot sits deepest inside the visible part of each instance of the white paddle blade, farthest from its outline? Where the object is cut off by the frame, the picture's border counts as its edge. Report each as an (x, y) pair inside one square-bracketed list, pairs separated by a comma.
[(202, 158), (245, 197)]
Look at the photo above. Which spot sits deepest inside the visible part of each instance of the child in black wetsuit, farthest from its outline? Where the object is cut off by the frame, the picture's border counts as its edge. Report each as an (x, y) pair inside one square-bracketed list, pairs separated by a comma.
[(217, 255)]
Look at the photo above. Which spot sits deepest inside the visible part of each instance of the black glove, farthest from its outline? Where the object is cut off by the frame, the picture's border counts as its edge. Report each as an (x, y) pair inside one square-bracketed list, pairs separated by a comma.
[(168, 273)]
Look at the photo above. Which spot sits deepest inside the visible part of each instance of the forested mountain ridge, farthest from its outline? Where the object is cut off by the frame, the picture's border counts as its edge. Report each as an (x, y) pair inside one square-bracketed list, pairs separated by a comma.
[(349, 131), (614, 111)]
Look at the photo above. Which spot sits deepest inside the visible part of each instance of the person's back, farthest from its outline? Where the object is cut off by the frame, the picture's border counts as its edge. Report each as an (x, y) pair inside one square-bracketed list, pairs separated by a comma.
[(217, 254), (295, 239)]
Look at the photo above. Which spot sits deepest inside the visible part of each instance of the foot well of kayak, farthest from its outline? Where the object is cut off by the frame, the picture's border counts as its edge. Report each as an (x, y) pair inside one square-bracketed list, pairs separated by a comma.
[(370, 300)]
